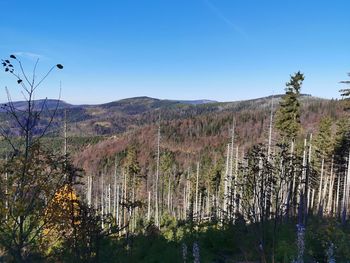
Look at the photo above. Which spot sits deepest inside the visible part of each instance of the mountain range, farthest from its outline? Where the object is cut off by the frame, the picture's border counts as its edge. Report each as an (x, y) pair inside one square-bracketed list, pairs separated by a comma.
[(188, 128)]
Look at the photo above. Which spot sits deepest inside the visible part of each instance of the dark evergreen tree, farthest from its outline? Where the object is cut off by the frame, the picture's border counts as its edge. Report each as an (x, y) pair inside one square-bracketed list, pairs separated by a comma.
[(324, 139), (288, 115)]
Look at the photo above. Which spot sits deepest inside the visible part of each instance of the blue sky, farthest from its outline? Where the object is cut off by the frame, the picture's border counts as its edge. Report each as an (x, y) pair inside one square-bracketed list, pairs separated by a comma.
[(178, 49)]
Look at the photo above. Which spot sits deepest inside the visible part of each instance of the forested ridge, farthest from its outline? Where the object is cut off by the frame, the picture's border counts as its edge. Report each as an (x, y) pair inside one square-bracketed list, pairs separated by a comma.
[(148, 180), (196, 133)]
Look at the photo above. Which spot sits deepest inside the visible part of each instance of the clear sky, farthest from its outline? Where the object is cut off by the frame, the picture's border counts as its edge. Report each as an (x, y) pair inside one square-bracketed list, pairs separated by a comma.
[(178, 49)]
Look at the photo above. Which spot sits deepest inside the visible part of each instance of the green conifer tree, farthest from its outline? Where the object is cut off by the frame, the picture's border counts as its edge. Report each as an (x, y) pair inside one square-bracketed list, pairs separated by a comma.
[(324, 139), (288, 115)]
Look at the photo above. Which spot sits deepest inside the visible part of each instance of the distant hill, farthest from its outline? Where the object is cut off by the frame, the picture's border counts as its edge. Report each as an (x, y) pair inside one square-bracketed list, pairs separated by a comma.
[(141, 104), (187, 127), (134, 105), (187, 130), (50, 104), (122, 115), (197, 102)]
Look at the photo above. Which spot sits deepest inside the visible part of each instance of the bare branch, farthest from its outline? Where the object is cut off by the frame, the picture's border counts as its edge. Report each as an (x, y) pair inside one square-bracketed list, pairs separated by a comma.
[(34, 71), (51, 117), (47, 74), (24, 74)]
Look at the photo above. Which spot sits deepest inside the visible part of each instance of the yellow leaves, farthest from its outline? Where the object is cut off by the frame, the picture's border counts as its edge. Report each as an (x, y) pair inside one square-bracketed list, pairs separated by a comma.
[(64, 204), (62, 215), (66, 193), (63, 211)]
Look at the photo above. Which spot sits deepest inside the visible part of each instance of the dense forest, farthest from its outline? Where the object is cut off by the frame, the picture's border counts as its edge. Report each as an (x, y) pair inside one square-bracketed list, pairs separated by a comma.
[(148, 180)]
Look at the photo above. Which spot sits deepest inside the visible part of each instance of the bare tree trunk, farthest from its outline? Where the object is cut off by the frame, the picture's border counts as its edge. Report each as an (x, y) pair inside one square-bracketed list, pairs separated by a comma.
[(157, 180), (226, 179), (208, 202), (102, 200), (330, 192), (169, 190), (312, 199), (6, 196), (115, 191), (117, 207), (172, 209), (149, 207), (133, 211), (199, 211), (234, 185), (270, 132), (307, 185), (196, 202), (325, 188), (338, 195), (88, 200), (96, 199), (231, 179), (109, 198), (125, 198), (185, 201), (291, 194), (319, 205), (65, 133), (302, 203), (346, 192), (188, 195)]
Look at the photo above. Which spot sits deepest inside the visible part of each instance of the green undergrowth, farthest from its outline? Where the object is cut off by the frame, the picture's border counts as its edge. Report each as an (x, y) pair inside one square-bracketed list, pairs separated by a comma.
[(228, 243)]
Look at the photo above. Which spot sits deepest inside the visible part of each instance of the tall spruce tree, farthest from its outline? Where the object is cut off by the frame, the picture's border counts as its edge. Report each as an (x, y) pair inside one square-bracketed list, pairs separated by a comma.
[(288, 124), (288, 115), (324, 139)]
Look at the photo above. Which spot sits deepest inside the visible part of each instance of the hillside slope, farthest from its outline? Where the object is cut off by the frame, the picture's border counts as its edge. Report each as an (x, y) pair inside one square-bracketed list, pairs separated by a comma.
[(196, 132)]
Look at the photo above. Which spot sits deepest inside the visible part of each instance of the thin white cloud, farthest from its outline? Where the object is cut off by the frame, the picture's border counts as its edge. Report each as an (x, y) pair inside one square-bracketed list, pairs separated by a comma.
[(224, 18), (29, 55)]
